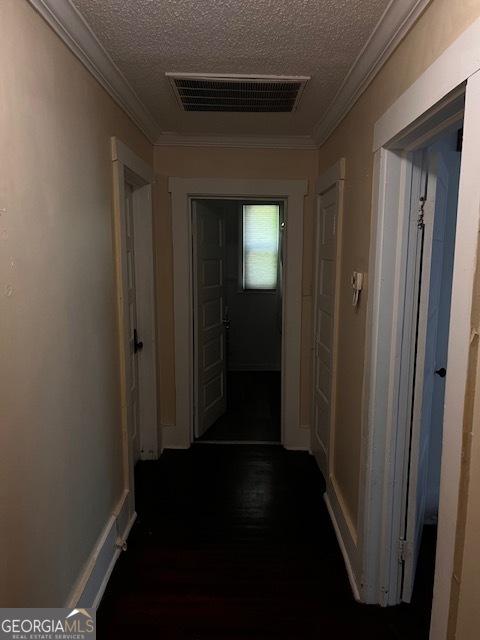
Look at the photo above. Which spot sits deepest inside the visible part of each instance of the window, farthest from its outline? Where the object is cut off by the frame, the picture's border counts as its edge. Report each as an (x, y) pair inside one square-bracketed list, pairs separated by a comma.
[(261, 224)]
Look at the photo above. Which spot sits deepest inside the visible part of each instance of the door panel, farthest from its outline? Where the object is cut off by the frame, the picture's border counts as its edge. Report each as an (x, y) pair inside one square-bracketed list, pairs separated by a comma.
[(429, 285), (212, 353), (209, 330), (212, 273), (326, 249)]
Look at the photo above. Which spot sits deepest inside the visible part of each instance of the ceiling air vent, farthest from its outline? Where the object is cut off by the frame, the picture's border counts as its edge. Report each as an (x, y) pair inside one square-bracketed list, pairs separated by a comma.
[(235, 93)]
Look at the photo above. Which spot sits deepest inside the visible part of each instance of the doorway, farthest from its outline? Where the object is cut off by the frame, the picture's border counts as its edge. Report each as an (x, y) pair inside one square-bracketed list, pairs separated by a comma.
[(237, 264), (292, 193), (430, 258), (412, 313), (132, 223), (135, 343)]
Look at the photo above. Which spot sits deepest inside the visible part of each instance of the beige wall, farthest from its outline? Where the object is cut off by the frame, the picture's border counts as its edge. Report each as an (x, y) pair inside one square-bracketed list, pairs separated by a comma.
[(201, 162), (440, 24), (60, 449)]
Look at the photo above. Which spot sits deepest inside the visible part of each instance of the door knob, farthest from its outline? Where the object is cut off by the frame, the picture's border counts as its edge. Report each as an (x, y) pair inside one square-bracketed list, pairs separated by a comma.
[(441, 372), (137, 344)]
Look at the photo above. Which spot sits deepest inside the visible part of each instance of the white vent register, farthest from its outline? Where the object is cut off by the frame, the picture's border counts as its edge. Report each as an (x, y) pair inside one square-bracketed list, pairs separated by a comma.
[(237, 93)]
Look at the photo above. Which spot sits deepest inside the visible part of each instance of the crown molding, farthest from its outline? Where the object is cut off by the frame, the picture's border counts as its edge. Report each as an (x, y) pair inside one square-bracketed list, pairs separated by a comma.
[(72, 28), (396, 21), (237, 142)]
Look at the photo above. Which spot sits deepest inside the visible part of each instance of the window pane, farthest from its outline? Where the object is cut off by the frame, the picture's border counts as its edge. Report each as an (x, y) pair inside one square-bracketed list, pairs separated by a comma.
[(260, 245)]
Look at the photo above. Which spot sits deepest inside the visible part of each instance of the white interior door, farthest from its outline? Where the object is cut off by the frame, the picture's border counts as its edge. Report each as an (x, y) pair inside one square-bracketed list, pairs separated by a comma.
[(135, 344), (209, 330), (429, 260), (326, 251)]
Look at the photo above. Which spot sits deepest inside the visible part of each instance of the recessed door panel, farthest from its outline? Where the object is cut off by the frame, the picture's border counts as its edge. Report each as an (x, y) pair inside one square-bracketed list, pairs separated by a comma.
[(212, 313), (212, 353), (213, 391), (212, 273)]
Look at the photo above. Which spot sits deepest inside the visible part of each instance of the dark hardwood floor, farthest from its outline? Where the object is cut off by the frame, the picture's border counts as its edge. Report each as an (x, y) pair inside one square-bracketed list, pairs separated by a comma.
[(234, 542), (253, 408)]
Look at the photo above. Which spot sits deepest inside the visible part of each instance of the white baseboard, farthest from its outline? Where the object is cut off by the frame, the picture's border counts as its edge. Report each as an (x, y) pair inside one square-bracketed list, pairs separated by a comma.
[(297, 448), (176, 447), (297, 439), (91, 584), (341, 544), (173, 437)]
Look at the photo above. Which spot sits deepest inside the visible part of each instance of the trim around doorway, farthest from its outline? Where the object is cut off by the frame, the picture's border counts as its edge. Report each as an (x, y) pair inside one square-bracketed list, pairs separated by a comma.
[(127, 166), (429, 101), (183, 190)]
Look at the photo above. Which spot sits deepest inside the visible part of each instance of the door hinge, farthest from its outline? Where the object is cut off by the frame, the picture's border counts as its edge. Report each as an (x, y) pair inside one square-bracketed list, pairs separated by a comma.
[(420, 222), (403, 550)]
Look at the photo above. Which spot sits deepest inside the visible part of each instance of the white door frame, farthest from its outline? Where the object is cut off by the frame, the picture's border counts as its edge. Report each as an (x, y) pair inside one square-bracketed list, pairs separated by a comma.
[(183, 190), (128, 167), (431, 100)]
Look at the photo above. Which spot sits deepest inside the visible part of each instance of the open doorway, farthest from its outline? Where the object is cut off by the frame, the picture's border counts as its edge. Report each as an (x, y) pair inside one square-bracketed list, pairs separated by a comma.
[(237, 269), (430, 257), (413, 359), (291, 193)]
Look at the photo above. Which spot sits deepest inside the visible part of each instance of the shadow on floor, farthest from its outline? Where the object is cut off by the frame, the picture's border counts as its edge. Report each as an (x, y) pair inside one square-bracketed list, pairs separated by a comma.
[(253, 408), (234, 542)]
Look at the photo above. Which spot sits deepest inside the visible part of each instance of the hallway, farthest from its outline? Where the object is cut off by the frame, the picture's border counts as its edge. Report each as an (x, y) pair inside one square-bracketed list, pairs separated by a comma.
[(253, 408), (239, 317), (236, 542)]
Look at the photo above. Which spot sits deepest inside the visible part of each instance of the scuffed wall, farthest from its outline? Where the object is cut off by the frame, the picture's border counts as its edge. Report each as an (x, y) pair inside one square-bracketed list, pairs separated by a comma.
[(60, 436)]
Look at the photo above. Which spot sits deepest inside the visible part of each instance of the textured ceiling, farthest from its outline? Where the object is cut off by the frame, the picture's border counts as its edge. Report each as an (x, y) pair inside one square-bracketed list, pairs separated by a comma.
[(319, 38)]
